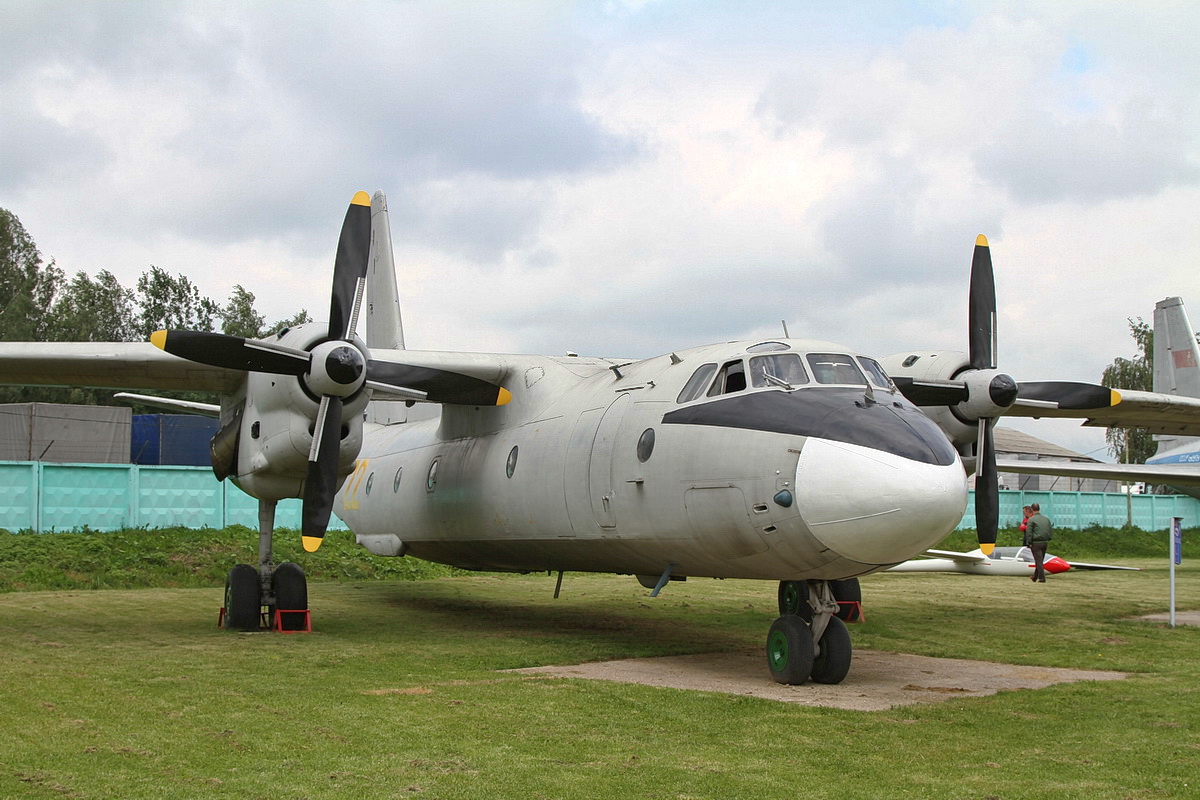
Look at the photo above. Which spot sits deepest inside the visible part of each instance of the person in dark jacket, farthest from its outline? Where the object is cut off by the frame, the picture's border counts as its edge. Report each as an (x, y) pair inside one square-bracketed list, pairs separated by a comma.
[(1037, 537)]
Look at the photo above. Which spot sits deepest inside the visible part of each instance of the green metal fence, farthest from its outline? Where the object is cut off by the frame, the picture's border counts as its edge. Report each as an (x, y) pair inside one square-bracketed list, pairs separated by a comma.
[(1080, 509), (47, 497)]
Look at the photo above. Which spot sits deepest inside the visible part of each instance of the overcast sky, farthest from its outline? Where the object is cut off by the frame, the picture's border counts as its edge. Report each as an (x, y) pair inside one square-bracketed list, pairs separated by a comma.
[(631, 178)]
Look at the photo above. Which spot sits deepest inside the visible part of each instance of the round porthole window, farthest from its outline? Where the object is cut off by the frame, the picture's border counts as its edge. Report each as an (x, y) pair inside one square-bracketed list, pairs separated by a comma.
[(431, 478), (396, 480), (370, 480), (645, 445), (511, 465)]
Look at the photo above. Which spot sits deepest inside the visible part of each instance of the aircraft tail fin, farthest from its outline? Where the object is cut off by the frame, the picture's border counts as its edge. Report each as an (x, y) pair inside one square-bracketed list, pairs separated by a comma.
[(385, 329), (1176, 354), (1176, 366)]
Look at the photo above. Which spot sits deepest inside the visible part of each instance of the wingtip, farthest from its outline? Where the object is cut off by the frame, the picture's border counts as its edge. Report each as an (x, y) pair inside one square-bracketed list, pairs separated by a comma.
[(361, 198), (981, 241), (159, 339)]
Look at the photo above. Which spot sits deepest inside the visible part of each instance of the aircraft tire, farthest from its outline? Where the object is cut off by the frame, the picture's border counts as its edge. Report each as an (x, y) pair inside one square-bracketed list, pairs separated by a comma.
[(832, 662), (290, 588), (790, 650), (243, 599), (793, 599), (847, 591)]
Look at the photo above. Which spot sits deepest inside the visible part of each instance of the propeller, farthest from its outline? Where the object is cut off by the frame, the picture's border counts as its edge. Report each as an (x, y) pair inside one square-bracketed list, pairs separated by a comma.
[(334, 369), (1000, 388), (979, 393)]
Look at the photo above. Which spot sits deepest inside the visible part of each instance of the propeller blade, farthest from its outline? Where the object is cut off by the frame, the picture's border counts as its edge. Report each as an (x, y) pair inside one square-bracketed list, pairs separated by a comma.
[(1070, 395), (320, 484), (982, 308), (350, 267), (932, 393), (987, 489), (439, 385), (231, 352)]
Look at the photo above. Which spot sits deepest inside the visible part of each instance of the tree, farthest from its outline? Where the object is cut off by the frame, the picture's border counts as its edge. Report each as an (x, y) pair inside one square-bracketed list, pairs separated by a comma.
[(1132, 445), (27, 286), (166, 302), (99, 310), (299, 318), (238, 317)]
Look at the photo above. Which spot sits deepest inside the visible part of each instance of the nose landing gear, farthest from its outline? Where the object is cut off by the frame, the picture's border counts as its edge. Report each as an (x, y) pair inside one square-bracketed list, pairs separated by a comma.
[(808, 640)]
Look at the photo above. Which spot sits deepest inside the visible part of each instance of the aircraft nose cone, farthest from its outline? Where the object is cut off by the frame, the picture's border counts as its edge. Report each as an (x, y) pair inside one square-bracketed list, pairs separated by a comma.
[(876, 507), (1055, 565)]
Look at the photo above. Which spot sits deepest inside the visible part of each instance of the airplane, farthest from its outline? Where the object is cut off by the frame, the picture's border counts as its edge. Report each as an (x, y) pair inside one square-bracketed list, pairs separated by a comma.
[(1176, 377), (1002, 561), (790, 460)]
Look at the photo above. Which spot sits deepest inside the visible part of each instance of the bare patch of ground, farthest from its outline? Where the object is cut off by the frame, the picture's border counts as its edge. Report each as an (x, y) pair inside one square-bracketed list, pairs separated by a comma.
[(1181, 618), (877, 680)]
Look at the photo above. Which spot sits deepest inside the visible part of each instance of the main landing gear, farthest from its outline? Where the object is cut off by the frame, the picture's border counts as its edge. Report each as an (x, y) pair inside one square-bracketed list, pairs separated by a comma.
[(282, 589), (809, 640)]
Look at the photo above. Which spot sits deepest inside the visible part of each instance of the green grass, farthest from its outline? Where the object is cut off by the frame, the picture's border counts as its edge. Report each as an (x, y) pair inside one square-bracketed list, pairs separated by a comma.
[(181, 558), (136, 694)]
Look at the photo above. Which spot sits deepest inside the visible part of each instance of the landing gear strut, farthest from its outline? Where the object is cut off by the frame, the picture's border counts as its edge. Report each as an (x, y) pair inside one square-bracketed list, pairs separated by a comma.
[(809, 640), (248, 590)]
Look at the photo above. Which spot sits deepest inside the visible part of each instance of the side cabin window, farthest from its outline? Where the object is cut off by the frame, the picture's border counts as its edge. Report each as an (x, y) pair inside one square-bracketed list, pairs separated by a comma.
[(731, 378), (697, 383), (785, 370), (875, 372), (835, 368)]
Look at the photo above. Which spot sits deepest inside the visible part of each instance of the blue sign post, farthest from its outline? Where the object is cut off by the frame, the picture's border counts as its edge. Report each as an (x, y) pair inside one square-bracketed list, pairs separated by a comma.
[(1176, 557)]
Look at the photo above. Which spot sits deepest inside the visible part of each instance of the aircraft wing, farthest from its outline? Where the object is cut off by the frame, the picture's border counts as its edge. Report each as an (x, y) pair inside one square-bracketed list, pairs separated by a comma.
[(1170, 474), (963, 558), (470, 378), (109, 365), (1083, 565), (1101, 407)]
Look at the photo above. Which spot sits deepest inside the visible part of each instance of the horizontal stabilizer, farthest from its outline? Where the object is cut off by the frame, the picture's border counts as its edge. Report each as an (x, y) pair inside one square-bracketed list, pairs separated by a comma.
[(171, 404), (1170, 474)]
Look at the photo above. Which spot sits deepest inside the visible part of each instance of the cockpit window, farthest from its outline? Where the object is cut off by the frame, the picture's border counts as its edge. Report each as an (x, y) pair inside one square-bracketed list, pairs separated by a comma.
[(767, 347), (875, 372), (835, 368), (785, 370), (731, 378), (697, 383)]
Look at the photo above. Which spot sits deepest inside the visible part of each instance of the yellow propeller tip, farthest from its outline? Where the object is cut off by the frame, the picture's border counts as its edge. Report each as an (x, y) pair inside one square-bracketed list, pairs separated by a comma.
[(981, 241), (159, 339), (987, 549), (503, 397), (311, 543), (361, 199), (1115, 399)]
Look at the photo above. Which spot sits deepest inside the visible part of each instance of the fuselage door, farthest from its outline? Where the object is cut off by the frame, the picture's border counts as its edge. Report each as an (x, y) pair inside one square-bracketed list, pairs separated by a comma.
[(600, 475)]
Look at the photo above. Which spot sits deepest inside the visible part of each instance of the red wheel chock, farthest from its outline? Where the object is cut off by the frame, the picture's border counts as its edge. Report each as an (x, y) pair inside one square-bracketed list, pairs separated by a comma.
[(856, 613), (266, 623), (278, 624)]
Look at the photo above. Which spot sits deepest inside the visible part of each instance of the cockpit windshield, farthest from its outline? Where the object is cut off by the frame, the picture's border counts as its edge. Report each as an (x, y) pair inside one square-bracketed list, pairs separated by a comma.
[(835, 368), (785, 370), (875, 372)]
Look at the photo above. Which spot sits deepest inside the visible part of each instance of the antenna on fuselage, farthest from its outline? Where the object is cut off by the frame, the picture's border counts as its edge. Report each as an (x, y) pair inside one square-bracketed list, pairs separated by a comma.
[(786, 335)]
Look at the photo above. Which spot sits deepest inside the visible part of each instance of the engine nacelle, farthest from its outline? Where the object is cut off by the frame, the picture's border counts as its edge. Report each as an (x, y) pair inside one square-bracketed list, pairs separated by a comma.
[(938, 365), (276, 430)]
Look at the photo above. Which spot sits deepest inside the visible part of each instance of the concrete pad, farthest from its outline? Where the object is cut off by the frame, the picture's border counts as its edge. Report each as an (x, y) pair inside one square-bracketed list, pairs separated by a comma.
[(877, 680)]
